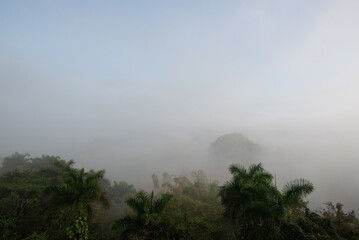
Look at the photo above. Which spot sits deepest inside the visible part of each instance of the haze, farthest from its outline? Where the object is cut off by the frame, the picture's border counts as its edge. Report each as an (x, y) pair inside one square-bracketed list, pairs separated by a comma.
[(143, 87)]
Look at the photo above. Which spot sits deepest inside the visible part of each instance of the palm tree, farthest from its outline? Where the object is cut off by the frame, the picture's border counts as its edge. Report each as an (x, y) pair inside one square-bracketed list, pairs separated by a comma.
[(78, 191), (120, 190), (146, 221), (294, 192), (248, 198), (252, 201), (74, 197)]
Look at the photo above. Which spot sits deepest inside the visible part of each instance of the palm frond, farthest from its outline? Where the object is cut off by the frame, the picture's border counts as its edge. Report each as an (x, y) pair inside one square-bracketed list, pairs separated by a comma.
[(125, 223), (255, 169), (160, 204), (78, 190), (139, 203), (297, 189), (236, 170)]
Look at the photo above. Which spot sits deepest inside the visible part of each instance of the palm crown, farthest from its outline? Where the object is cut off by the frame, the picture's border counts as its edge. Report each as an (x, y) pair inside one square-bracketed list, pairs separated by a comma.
[(78, 191), (252, 200), (146, 218)]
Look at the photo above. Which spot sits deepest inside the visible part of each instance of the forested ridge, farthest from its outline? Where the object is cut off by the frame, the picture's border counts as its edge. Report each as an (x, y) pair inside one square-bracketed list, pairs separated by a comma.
[(48, 198)]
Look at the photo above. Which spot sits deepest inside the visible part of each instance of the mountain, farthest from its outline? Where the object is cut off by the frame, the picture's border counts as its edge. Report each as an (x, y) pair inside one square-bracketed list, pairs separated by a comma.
[(234, 148)]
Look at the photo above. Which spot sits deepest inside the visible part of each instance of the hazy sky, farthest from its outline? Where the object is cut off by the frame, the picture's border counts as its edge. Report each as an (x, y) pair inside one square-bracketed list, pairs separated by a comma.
[(124, 77)]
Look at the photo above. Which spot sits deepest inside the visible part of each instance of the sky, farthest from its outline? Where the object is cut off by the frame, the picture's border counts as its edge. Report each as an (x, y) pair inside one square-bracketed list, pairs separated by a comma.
[(122, 84)]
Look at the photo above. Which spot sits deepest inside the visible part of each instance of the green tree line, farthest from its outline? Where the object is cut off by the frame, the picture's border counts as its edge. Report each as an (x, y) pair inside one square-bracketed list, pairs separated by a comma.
[(48, 198)]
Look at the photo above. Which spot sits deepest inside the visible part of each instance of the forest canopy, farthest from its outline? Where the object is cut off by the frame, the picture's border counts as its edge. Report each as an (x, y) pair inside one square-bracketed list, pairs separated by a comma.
[(47, 197)]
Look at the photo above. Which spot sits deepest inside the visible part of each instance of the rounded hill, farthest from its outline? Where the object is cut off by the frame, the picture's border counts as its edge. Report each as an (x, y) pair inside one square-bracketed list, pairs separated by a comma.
[(234, 148)]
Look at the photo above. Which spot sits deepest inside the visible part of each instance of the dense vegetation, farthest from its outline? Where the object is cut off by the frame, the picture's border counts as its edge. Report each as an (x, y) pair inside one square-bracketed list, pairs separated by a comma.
[(47, 198)]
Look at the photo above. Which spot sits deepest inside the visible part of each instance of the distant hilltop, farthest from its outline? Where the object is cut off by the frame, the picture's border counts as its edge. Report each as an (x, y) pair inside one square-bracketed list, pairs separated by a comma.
[(234, 148)]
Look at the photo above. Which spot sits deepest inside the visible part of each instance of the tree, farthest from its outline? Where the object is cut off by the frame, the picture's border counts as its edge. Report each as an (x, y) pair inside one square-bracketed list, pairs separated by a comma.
[(78, 191), (15, 161), (76, 194), (253, 203), (245, 197), (346, 224), (120, 190), (23, 203), (146, 221), (195, 211), (156, 183)]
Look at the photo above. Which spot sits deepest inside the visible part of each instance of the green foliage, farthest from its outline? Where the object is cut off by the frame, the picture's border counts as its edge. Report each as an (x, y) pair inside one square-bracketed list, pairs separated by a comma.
[(15, 161), (120, 190), (195, 211), (23, 203), (36, 236), (47, 198), (346, 224), (78, 191), (78, 230), (188, 218), (253, 203), (295, 190), (146, 220)]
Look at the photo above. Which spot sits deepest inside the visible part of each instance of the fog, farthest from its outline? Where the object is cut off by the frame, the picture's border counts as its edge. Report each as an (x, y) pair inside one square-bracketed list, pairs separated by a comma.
[(142, 88)]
